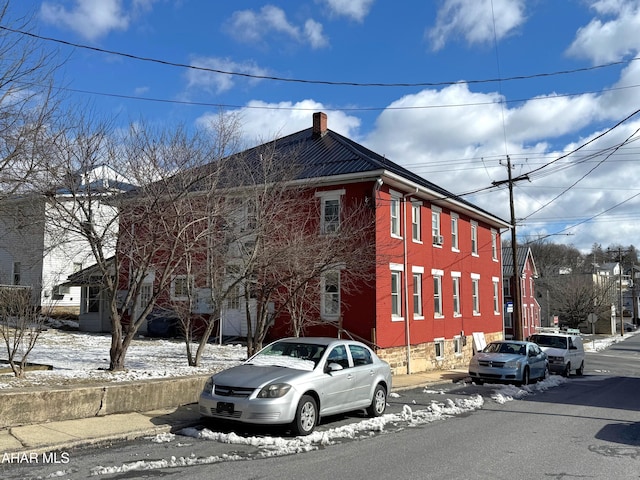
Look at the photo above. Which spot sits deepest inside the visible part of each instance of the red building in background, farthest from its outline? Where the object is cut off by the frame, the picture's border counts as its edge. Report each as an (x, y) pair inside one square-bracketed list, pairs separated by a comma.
[(526, 274)]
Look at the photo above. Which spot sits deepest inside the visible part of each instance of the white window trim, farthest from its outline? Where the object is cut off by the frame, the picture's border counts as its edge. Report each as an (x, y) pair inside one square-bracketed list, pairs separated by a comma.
[(494, 244), (417, 271), (438, 274), (457, 340), (474, 238), (455, 245), (437, 231), (395, 317), (323, 312), (441, 342), (329, 195), (414, 204), (496, 295), (395, 196), (475, 280), (456, 294), (180, 298)]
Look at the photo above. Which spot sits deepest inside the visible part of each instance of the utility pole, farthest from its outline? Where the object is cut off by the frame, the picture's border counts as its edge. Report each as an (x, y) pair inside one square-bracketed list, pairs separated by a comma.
[(517, 295), (620, 298)]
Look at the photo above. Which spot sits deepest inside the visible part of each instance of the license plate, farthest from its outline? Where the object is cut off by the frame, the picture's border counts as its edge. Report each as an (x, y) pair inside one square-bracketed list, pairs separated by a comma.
[(224, 407)]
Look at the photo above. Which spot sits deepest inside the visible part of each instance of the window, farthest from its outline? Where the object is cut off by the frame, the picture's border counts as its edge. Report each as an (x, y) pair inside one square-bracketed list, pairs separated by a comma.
[(251, 216), (508, 322), (339, 355), (233, 298), (395, 215), (181, 287), (417, 295), (144, 298), (475, 292), (454, 231), (435, 226), (330, 210), (506, 288), (93, 300), (330, 284), (360, 355), (416, 221), (474, 238), (437, 293), (494, 245), (17, 273), (438, 345), (456, 294), (496, 296), (396, 294), (457, 345), (330, 215)]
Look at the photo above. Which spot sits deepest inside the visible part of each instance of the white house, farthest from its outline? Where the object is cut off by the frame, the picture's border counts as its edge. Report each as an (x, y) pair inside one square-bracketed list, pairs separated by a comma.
[(39, 244)]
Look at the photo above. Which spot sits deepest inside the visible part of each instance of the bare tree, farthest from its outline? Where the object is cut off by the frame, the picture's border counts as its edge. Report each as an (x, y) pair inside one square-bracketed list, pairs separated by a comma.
[(137, 239), (27, 100), (20, 326)]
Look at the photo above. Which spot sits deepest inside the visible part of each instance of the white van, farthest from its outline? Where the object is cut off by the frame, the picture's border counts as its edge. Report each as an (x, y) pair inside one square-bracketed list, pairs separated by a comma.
[(564, 351)]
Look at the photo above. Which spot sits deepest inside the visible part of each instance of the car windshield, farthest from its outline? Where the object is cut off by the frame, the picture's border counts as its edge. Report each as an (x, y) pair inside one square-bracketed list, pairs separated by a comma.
[(300, 356), (550, 341), (505, 347)]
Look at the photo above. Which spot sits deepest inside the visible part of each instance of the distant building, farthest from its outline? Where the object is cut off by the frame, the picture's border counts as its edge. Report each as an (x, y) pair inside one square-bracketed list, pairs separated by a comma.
[(525, 273)]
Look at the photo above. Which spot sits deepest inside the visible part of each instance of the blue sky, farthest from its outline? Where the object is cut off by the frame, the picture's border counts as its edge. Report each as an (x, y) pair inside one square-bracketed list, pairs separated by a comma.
[(465, 83)]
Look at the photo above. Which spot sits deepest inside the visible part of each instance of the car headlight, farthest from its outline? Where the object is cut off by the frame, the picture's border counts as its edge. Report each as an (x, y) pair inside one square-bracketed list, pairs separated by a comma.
[(512, 364), (274, 390), (208, 387)]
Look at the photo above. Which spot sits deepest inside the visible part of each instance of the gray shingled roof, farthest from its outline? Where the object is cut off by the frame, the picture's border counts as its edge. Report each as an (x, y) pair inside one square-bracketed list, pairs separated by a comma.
[(507, 260), (324, 156)]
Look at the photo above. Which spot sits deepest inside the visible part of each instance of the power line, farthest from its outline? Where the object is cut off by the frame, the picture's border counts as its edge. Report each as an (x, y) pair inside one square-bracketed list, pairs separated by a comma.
[(310, 81)]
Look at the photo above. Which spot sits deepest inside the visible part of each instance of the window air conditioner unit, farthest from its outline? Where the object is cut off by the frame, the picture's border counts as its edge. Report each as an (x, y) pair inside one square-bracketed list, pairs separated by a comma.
[(438, 239)]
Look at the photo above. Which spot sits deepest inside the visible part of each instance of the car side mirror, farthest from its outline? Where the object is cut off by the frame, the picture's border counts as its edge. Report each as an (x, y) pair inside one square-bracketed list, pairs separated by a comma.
[(573, 347), (334, 367)]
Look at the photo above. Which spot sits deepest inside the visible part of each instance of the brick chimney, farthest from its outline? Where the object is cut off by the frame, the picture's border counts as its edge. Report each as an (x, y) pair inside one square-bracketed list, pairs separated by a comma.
[(319, 124)]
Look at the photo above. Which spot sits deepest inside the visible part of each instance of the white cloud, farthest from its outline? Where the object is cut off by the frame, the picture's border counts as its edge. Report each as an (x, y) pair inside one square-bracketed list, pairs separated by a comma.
[(314, 35), (463, 148), (264, 121), (476, 21), (609, 40), (254, 27), (91, 19), (354, 9), (219, 82)]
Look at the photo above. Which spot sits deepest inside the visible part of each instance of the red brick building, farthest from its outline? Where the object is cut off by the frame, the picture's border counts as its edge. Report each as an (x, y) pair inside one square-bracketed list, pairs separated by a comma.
[(438, 276)]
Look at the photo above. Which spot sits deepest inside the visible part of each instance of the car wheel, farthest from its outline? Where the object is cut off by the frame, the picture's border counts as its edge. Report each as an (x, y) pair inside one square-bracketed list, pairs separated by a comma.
[(546, 373), (580, 370), (477, 381), (378, 403), (525, 376), (306, 416), (567, 370)]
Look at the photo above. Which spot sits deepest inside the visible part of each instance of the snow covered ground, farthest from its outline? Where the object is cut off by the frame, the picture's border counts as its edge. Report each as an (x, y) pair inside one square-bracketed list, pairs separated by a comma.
[(78, 357)]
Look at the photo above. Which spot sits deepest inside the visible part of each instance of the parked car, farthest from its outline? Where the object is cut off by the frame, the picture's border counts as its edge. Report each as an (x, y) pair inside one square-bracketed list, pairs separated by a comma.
[(162, 322), (629, 327), (564, 350), (296, 381), (509, 361)]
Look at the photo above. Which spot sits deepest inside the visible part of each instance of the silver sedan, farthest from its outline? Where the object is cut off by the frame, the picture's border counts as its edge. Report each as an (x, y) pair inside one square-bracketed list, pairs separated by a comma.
[(296, 381)]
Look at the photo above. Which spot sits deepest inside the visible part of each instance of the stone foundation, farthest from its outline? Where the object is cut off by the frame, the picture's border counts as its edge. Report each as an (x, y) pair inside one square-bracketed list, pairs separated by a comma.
[(423, 356)]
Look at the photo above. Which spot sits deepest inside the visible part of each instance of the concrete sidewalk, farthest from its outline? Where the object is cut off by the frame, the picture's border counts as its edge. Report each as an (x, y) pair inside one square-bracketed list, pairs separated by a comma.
[(68, 434)]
